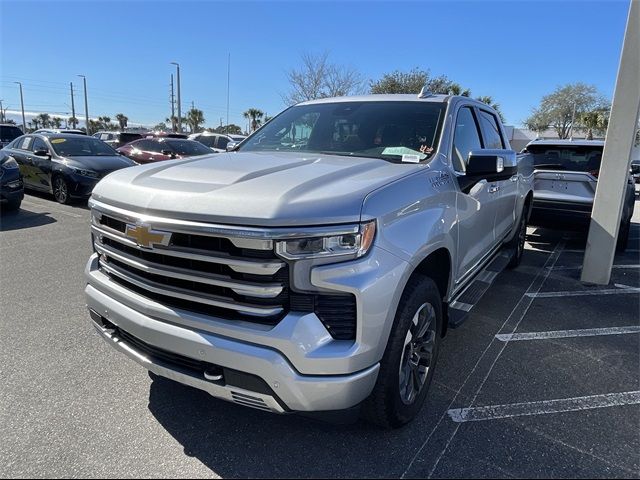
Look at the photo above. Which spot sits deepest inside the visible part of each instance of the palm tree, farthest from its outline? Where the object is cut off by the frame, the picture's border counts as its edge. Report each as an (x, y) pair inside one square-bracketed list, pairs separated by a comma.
[(44, 119), (195, 118), (122, 120), (104, 122), (73, 121), (488, 99), (56, 122), (34, 124), (173, 121), (255, 116), (456, 89)]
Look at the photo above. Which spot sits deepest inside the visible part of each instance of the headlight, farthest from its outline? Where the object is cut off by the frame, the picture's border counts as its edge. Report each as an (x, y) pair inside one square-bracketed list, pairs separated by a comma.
[(10, 164), (354, 244), (85, 173)]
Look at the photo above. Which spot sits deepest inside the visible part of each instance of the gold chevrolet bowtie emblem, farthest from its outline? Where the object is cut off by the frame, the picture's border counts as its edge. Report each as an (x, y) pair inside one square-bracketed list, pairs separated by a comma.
[(146, 237)]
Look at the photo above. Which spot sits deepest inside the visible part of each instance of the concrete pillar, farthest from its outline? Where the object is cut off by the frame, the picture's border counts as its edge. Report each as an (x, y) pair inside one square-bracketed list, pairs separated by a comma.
[(614, 171)]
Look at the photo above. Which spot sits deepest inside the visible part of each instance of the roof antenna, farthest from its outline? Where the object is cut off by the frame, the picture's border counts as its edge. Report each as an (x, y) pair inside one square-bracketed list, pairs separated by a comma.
[(424, 93)]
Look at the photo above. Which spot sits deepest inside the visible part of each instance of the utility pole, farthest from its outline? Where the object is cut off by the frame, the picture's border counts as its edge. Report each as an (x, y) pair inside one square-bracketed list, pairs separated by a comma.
[(24, 122), (173, 108), (86, 106), (193, 106), (179, 102), (73, 107), (228, 84), (616, 157), (1, 112)]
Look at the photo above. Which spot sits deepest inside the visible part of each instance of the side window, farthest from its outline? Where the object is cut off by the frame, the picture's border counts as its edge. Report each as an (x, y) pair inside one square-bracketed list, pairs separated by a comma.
[(39, 144), (222, 142), (465, 138), (26, 143), (490, 130), (105, 136)]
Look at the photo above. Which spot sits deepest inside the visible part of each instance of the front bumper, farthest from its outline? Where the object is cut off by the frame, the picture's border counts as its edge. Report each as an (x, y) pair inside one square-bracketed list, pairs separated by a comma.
[(305, 369), (11, 187)]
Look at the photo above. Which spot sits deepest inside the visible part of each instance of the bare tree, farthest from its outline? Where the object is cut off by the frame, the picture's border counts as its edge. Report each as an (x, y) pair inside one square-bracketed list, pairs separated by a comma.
[(318, 78)]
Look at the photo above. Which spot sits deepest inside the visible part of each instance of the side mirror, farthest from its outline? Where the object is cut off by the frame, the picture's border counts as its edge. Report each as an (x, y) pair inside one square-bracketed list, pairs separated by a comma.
[(232, 145), (41, 153), (492, 165)]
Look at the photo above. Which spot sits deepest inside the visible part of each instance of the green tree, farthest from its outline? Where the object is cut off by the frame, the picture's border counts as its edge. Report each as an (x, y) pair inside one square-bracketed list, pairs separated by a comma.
[(195, 118), (537, 122), (594, 121), (566, 105), (95, 125), (161, 127), (412, 82), (34, 124), (255, 117), (73, 121), (56, 122), (228, 129), (122, 120), (44, 120)]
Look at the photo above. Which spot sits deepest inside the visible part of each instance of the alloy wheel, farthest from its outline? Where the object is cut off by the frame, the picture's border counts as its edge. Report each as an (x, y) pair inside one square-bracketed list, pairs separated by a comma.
[(60, 190), (417, 354)]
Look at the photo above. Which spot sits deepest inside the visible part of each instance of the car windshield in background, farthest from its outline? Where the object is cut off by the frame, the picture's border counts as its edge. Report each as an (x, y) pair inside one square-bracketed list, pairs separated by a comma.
[(187, 147), (81, 147), (207, 140), (9, 132), (386, 130), (565, 157)]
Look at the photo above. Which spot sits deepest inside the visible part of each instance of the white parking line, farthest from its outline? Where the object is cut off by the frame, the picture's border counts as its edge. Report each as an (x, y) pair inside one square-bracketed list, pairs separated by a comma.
[(565, 267), (582, 293), (545, 407), (586, 332)]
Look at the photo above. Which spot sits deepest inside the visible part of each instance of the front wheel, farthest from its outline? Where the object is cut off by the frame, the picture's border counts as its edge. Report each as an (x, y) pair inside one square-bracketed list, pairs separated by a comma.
[(410, 358), (60, 190)]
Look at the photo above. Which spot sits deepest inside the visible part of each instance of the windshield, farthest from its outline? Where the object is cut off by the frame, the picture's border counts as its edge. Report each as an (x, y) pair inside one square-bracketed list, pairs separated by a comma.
[(8, 133), (81, 146), (387, 130), (566, 157), (187, 148)]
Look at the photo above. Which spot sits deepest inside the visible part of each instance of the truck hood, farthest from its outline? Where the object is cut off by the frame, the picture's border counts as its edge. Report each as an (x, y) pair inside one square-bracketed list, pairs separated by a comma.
[(257, 189)]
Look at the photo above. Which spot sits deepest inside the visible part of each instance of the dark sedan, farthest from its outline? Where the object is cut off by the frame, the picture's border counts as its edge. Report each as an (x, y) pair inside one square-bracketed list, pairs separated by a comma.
[(66, 165), (149, 150), (11, 186)]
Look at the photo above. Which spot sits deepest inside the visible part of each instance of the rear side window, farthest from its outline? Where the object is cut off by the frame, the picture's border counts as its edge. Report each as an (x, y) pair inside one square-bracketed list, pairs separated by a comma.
[(39, 144), (208, 140), (222, 142), (26, 143), (491, 131), (9, 132), (466, 138)]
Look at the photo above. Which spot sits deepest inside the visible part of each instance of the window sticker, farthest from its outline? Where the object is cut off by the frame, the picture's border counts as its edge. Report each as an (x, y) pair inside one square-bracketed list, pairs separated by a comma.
[(58, 140), (410, 158), (401, 151)]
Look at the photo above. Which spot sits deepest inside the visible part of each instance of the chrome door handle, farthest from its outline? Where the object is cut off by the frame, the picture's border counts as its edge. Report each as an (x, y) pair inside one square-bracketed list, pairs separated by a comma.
[(494, 189)]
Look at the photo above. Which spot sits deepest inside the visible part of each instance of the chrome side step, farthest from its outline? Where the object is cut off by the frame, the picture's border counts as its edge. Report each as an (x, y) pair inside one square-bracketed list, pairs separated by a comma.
[(461, 304)]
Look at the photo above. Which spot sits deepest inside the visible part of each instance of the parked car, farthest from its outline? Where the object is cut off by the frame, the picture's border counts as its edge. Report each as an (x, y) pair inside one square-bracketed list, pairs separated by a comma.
[(216, 141), (60, 130), (8, 133), (566, 175), (157, 149), (66, 165), (11, 186), (317, 267), (162, 134), (118, 139), (635, 170)]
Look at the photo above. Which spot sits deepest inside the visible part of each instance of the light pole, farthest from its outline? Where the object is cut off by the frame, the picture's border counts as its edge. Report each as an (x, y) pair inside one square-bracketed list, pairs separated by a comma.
[(86, 105), (179, 104), (73, 108), (1, 112), (24, 122)]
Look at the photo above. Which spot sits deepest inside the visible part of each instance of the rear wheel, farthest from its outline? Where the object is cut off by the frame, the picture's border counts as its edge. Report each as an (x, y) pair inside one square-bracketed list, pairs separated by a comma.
[(516, 244), (409, 360), (12, 205), (60, 190)]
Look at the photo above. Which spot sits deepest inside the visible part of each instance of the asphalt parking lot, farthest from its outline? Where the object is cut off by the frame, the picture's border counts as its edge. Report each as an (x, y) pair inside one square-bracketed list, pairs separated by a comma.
[(542, 381)]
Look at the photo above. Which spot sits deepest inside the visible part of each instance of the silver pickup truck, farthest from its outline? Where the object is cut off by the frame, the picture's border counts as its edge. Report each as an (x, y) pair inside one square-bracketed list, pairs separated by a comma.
[(317, 266)]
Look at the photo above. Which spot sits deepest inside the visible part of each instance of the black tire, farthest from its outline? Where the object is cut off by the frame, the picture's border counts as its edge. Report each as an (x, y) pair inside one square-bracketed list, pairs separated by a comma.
[(61, 190), (516, 244), (623, 236), (391, 405), (12, 205)]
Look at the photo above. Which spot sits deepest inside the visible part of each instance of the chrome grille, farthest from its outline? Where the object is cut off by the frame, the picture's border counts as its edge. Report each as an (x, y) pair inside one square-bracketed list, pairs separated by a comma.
[(198, 270)]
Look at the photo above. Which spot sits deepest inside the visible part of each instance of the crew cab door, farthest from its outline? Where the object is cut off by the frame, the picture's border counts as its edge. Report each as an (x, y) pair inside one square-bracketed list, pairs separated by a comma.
[(507, 189), (41, 177), (476, 205)]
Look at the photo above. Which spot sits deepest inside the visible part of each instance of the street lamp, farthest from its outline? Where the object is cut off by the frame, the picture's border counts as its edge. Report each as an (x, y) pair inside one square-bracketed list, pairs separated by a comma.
[(24, 122), (86, 104), (179, 104)]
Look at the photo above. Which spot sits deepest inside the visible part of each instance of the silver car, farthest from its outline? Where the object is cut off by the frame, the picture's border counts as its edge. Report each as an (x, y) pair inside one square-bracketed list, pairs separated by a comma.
[(317, 266), (565, 178)]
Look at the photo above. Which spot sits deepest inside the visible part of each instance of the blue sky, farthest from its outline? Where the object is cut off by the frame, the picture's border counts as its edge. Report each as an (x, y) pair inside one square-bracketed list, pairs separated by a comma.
[(515, 51)]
